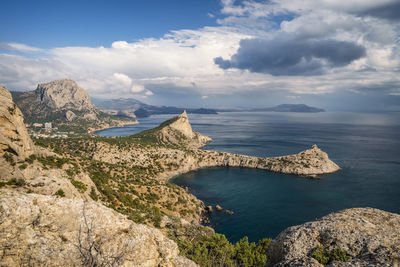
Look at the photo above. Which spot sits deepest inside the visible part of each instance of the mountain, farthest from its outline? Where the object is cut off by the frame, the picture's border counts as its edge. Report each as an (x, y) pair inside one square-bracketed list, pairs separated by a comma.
[(292, 108), (141, 109), (64, 102)]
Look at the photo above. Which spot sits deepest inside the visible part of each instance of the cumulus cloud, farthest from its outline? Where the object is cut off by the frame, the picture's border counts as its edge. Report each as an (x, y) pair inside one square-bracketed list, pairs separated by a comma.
[(124, 79)]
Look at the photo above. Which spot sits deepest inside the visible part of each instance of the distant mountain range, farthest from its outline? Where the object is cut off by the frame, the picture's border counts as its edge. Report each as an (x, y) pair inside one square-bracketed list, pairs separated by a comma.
[(292, 108), (140, 109)]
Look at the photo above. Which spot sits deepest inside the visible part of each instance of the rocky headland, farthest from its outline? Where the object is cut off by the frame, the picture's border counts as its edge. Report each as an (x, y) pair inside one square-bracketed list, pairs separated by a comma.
[(178, 148)]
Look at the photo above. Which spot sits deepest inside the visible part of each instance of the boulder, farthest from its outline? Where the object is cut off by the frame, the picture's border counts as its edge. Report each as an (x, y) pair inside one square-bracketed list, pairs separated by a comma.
[(371, 237), (218, 208), (209, 209)]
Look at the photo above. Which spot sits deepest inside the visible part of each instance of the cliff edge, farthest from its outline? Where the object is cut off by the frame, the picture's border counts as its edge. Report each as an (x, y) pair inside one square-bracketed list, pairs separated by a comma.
[(368, 237)]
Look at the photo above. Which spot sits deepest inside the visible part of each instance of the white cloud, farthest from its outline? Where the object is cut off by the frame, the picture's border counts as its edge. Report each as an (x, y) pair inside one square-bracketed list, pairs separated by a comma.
[(204, 97), (19, 47), (137, 88), (124, 79)]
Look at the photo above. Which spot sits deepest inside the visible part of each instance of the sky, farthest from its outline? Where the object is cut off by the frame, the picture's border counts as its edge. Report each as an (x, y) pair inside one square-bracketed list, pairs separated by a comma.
[(338, 55)]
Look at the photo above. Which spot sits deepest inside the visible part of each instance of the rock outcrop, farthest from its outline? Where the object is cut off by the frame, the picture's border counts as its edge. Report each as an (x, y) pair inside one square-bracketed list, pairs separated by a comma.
[(64, 94), (37, 230), (14, 137), (181, 125), (64, 101), (175, 132), (371, 237)]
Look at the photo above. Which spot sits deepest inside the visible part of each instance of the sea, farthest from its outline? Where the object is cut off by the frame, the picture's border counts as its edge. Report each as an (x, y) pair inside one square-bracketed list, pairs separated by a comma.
[(365, 146)]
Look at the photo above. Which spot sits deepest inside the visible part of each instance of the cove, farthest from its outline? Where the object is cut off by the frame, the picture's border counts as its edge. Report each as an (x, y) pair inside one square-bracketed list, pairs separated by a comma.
[(264, 203)]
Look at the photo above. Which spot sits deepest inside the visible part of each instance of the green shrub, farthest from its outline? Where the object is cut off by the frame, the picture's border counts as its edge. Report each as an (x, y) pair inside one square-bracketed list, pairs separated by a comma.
[(23, 166), (93, 194), (216, 250), (79, 185), (324, 256), (14, 181), (9, 158), (60, 193)]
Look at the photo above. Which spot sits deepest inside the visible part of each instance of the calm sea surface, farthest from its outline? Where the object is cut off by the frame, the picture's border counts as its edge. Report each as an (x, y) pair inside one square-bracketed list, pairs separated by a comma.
[(365, 146)]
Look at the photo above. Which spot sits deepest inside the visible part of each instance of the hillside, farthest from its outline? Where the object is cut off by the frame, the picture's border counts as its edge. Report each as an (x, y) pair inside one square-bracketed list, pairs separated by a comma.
[(65, 104)]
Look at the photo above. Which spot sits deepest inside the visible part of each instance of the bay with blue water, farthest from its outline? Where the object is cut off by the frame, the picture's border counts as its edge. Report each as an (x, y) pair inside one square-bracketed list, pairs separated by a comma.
[(365, 146)]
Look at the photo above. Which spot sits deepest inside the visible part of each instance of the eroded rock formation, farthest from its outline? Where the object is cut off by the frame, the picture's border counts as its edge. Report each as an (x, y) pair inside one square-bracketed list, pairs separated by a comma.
[(370, 237), (14, 137), (38, 230)]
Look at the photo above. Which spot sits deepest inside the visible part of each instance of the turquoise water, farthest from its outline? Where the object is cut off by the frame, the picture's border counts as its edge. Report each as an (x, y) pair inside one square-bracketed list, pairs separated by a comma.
[(365, 146)]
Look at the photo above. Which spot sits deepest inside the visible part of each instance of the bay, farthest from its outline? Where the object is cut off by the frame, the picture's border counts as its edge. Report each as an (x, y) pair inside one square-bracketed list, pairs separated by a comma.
[(365, 146)]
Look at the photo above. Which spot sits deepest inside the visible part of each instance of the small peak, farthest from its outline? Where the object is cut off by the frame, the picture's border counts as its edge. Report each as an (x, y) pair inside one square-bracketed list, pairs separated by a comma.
[(315, 146), (184, 114)]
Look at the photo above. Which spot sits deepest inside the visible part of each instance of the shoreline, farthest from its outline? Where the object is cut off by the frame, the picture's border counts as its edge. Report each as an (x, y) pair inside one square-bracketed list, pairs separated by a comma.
[(107, 128), (280, 164)]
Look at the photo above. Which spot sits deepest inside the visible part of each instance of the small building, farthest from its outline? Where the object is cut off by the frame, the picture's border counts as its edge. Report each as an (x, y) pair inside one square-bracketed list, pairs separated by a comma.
[(47, 125), (37, 124)]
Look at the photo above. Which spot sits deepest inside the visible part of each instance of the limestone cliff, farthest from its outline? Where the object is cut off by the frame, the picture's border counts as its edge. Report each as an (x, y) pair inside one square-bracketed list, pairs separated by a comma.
[(182, 126), (64, 94), (37, 230), (175, 132), (64, 101), (371, 237), (14, 137)]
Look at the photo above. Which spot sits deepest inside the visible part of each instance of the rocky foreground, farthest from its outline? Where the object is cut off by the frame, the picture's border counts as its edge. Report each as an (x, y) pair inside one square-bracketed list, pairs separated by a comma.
[(38, 230), (369, 237)]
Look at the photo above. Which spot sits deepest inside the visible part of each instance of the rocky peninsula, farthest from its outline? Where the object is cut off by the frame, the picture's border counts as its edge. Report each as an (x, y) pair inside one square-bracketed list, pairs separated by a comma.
[(178, 146)]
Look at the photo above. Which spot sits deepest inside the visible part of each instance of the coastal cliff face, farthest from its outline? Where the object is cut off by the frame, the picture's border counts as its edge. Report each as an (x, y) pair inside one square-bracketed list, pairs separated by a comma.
[(370, 237), (14, 137), (37, 230)]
